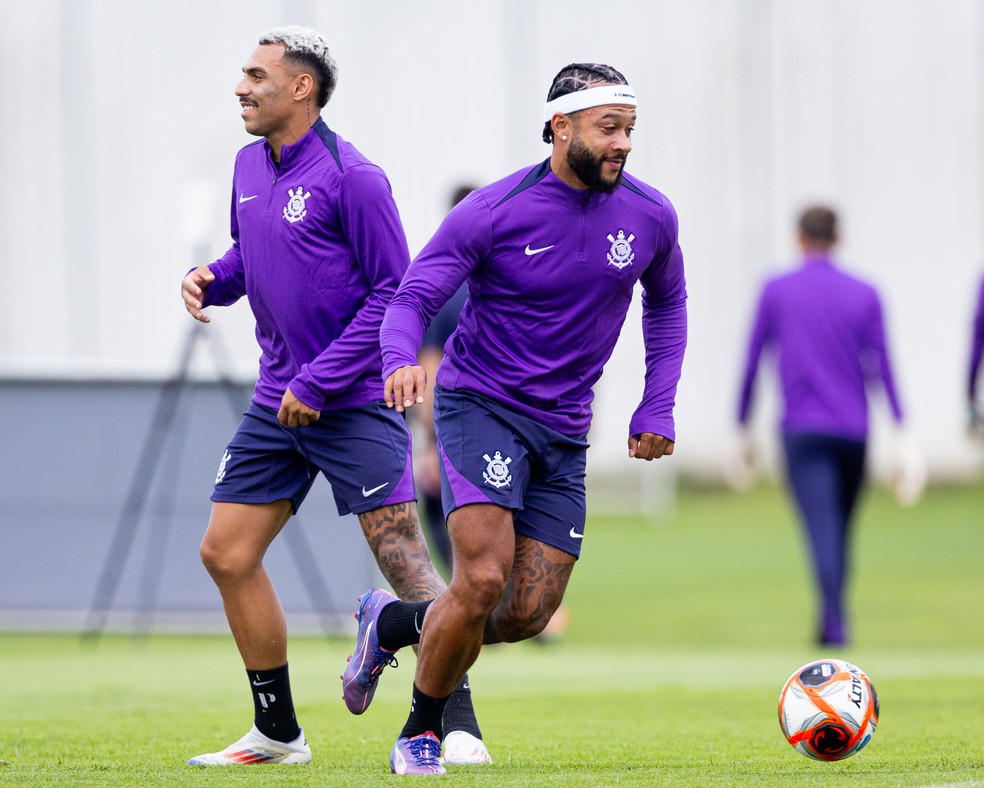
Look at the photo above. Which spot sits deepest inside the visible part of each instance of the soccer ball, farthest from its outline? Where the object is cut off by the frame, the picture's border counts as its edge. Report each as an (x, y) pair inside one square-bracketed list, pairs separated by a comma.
[(828, 710)]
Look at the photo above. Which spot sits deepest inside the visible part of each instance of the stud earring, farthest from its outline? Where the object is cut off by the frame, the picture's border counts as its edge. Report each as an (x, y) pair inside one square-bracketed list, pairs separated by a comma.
[(564, 137)]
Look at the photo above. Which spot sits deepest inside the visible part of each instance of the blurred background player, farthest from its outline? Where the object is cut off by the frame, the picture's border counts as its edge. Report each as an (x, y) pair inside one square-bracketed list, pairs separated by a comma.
[(827, 331), (975, 406), (422, 418), (319, 250)]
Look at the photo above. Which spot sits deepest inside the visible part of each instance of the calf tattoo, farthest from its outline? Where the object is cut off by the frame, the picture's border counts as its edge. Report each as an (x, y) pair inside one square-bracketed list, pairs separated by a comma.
[(397, 541)]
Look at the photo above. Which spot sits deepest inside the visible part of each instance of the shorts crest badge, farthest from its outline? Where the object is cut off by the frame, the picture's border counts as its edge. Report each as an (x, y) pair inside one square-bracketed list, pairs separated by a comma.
[(497, 471), (621, 254), (296, 207), (220, 475)]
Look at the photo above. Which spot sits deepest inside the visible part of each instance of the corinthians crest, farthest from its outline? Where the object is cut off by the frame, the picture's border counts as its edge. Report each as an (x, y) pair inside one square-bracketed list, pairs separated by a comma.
[(222, 467), (296, 208), (497, 471), (621, 254)]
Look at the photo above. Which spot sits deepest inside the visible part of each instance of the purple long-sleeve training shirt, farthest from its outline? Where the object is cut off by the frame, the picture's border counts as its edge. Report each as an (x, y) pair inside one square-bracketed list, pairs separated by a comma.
[(550, 272), (319, 249), (977, 346), (827, 330)]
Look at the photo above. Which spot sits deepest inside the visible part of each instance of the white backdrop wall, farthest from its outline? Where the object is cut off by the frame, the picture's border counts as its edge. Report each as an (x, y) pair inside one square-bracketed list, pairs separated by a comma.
[(120, 127)]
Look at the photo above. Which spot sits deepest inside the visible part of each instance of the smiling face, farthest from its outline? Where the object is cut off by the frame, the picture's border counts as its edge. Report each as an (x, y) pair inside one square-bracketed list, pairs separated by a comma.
[(268, 95), (599, 143)]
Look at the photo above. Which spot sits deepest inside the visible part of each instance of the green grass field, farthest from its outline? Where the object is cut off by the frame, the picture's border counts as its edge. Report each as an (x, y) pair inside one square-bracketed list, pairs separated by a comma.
[(682, 632)]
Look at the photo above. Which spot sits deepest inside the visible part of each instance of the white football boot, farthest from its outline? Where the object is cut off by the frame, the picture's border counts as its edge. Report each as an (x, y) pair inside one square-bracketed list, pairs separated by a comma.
[(256, 748), (463, 749)]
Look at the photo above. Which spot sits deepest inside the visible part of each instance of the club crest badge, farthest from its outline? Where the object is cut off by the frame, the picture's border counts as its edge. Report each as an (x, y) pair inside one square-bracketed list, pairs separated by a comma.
[(497, 471), (621, 254), (222, 467), (296, 208)]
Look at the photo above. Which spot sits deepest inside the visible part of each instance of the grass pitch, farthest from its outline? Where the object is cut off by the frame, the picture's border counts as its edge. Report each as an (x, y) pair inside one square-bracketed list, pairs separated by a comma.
[(682, 633)]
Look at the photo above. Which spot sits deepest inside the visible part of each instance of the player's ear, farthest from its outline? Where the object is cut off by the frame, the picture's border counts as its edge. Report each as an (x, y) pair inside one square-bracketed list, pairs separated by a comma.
[(303, 87), (561, 127)]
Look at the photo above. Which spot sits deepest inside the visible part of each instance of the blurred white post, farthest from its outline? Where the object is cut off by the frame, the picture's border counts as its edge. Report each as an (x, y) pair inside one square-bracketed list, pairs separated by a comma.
[(643, 489)]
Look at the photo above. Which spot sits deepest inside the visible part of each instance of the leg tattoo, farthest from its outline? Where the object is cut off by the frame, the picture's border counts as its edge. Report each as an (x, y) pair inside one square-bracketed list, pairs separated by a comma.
[(533, 593), (397, 541)]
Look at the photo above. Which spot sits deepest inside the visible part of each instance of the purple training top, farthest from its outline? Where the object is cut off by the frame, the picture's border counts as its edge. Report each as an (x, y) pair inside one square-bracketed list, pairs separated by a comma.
[(828, 331), (550, 272), (319, 249), (977, 346)]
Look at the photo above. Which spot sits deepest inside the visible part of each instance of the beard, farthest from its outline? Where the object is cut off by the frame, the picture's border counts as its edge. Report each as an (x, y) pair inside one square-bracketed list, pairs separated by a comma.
[(587, 167)]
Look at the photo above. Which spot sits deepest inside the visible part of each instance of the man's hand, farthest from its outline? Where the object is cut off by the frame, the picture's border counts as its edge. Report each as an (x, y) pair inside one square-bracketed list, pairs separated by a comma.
[(193, 288), (742, 464), (294, 413), (405, 387), (649, 446)]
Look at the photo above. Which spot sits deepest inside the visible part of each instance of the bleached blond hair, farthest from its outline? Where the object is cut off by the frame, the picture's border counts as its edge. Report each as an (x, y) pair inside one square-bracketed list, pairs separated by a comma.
[(306, 48)]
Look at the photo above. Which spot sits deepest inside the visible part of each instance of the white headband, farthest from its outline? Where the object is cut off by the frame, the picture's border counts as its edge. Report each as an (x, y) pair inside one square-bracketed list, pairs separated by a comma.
[(591, 97)]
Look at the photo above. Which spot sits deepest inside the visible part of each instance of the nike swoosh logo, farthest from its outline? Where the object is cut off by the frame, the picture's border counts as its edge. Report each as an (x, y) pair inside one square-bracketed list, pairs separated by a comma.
[(261, 683), (243, 198), (531, 252), (575, 534), (366, 493)]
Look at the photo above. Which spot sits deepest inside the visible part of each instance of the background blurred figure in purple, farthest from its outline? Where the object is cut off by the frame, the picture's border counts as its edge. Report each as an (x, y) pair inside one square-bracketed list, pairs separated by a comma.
[(827, 331), (422, 418), (976, 353)]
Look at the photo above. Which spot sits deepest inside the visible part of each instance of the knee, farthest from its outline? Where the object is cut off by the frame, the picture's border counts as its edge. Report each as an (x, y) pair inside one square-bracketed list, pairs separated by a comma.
[(478, 589), (221, 563)]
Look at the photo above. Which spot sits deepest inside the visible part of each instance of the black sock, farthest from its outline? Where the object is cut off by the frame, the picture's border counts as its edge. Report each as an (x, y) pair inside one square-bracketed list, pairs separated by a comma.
[(273, 707), (400, 623), (459, 714), (426, 714)]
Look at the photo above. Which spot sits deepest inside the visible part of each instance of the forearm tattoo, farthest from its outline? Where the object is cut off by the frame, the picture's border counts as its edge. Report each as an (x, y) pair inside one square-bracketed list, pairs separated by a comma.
[(396, 539)]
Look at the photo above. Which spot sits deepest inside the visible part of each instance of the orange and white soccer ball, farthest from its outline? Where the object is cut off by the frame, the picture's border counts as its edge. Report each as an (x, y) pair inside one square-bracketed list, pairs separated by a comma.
[(828, 710)]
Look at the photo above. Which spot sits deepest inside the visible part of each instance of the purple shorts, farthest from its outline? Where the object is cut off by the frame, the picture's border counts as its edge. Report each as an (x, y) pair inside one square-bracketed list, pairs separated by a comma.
[(493, 454), (364, 452)]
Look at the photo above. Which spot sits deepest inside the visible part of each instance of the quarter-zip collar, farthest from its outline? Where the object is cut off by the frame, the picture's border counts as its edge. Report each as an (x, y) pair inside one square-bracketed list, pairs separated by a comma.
[(298, 151), (576, 199)]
